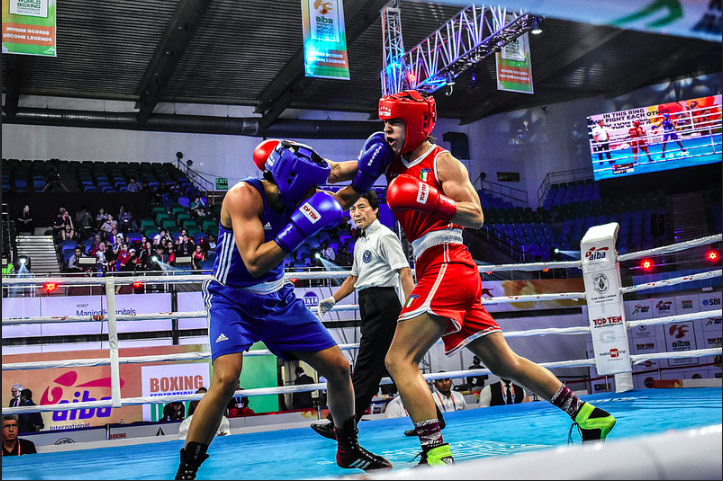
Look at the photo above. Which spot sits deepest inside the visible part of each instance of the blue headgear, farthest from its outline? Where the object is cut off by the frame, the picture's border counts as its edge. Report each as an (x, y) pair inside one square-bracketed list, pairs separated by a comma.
[(666, 116), (296, 168)]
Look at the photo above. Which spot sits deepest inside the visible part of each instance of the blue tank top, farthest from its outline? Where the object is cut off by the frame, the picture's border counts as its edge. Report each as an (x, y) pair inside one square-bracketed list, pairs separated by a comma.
[(228, 267)]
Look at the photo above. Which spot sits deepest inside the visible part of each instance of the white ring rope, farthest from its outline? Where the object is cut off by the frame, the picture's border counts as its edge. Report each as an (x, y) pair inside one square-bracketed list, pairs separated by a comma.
[(669, 249), (672, 282), (112, 317)]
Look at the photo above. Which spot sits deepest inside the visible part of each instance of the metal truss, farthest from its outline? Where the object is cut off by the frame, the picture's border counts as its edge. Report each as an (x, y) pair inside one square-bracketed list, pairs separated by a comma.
[(472, 35)]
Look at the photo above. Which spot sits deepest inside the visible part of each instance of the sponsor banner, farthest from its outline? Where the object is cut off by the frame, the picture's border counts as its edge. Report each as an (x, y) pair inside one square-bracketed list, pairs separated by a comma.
[(638, 309), (313, 295), (171, 380), (72, 385), (532, 287), (189, 302), (325, 53), (686, 304), (606, 310), (514, 65), (664, 306), (17, 308), (709, 301), (681, 337), (29, 27), (68, 436)]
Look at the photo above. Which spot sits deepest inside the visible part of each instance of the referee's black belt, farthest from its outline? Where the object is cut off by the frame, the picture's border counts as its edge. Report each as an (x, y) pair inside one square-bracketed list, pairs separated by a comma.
[(375, 290)]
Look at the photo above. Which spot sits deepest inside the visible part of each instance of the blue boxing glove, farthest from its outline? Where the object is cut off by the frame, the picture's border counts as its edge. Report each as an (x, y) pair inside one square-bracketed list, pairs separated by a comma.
[(375, 157), (320, 211)]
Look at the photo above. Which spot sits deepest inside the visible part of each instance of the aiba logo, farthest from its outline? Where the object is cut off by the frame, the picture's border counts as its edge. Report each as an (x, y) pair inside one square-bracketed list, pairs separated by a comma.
[(55, 395), (594, 253), (678, 330)]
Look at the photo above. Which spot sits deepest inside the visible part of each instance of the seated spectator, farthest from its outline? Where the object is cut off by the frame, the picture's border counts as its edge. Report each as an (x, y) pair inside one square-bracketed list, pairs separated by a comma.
[(25, 221), (343, 258), (241, 410), (477, 381), (83, 219), (223, 429), (500, 393), (174, 411), (123, 257), (59, 225), (73, 264), (133, 185), (170, 255), (133, 262), (194, 404), (445, 398), (186, 247), (211, 244), (106, 228), (126, 223), (395, 408), (197, 257), (161, 236), (146, 253), (198, 207), (69, 233), (327, 252), (101, 259), (12, 445), (101, 217), (94, 246)]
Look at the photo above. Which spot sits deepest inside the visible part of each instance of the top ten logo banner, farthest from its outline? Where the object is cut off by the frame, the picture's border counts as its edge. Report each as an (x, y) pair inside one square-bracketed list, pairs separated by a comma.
[(29, 27), (324, 39)]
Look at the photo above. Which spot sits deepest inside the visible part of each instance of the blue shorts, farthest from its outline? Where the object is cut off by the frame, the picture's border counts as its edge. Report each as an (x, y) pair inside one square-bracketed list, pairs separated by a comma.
[(670, 136), (238, 318)]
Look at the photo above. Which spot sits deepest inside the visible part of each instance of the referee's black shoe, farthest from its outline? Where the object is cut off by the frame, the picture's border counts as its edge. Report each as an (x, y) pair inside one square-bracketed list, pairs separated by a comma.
[(325, 428)]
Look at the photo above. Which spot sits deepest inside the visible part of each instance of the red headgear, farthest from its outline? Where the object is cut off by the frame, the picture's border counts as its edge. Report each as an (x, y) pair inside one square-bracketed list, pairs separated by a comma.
[(419, 113), (636, 123), (262, 152)]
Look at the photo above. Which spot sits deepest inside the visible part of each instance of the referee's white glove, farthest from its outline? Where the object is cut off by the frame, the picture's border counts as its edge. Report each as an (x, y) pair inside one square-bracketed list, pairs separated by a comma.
[(324, 306)]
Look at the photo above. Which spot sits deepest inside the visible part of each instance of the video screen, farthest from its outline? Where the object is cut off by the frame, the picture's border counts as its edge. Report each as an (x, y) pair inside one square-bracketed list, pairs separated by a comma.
[(657, 137)]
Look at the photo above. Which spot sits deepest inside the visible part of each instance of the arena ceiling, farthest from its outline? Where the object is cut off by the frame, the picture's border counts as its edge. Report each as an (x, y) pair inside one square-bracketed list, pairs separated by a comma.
[(250, 53)]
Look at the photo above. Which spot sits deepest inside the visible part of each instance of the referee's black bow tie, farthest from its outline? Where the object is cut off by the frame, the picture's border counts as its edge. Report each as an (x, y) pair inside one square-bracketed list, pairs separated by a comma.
[(362, 234)]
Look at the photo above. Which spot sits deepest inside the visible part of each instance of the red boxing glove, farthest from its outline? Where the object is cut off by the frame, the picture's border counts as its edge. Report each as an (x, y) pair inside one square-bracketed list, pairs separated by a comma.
[(408, 193), (262, 152)]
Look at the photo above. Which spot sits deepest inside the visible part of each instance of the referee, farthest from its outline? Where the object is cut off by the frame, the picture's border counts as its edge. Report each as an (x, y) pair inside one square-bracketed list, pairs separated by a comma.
[(378, 262)]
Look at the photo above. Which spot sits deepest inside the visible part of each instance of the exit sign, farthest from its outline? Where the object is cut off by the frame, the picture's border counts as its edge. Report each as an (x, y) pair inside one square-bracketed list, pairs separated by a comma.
[(221, 183)]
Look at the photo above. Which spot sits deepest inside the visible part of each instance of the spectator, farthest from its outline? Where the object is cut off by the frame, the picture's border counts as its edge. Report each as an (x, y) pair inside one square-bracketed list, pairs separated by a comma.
[(158, 257), (133, 186), (59, 225), (192, 405), (198, 207), (83, 219), (94, 246), (12, 445), (242, 409), (477, 381), (133, 262), (446, 399), (145, 255), (29, 422), (343, 258), (68, 232), (25, 220), (500, 393), (223, 429), (15, 391), (185, 247), (73, 264), (197, 257), (169, 256), (161, 236), (395, 408), (302, 400), (174, 411), (124, 256), (101, 217), (101, 259), (210, 245), (106, 227), (126, 222), (327, 252)]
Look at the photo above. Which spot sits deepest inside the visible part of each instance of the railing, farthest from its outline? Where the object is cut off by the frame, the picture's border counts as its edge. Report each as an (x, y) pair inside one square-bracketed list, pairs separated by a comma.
[(516, 195), (559, 177)]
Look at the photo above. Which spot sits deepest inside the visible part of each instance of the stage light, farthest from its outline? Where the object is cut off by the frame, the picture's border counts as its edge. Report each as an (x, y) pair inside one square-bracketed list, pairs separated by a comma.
[(536, 27), (472, 78), (154, 259), (317, 255), (50, 287), (712, 256), (137, 284), (646, 264), (411, 78), (23, 260)]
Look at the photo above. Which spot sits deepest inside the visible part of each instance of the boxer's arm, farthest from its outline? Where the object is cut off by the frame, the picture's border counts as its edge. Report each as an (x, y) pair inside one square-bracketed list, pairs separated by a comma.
[(242, 208), (456, 185), (341, 171)]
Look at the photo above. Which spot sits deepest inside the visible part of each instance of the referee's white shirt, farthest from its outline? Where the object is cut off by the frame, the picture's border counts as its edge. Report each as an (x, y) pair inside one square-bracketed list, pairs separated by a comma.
[(377, 256)]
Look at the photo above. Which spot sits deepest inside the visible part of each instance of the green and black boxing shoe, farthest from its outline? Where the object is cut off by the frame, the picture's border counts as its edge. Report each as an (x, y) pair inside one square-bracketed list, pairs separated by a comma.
[(437, 456), (593, 423)]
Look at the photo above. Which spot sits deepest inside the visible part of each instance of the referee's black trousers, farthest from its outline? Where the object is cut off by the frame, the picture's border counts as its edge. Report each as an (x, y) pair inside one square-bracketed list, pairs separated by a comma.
[(379, 308)]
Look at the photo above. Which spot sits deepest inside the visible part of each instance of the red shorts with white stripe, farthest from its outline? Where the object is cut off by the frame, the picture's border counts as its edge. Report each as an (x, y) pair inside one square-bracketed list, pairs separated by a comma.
[(449, 285)]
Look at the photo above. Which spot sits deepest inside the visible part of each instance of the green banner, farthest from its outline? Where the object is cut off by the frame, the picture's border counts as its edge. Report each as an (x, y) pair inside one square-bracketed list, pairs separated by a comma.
[(221, 183), (324, 39), (514, 66), (29, 27)]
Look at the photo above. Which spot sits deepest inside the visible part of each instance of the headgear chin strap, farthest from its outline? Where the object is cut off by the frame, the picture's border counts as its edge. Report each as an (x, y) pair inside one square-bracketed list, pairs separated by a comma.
[(296, 168), (418, 111)]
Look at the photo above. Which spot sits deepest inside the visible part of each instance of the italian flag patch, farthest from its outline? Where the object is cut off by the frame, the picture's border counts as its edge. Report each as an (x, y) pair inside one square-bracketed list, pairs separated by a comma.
[(424, 174), (411, 300)]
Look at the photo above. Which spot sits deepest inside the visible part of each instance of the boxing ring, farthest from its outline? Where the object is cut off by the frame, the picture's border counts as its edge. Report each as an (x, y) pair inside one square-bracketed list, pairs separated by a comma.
[(659, 431)]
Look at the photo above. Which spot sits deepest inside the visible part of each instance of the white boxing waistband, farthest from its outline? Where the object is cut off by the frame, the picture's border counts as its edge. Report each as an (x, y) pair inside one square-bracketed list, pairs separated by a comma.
[(435, 238)]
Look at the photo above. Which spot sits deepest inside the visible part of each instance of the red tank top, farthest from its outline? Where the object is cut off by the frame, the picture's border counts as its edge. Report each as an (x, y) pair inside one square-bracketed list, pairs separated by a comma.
[(416, 224)]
